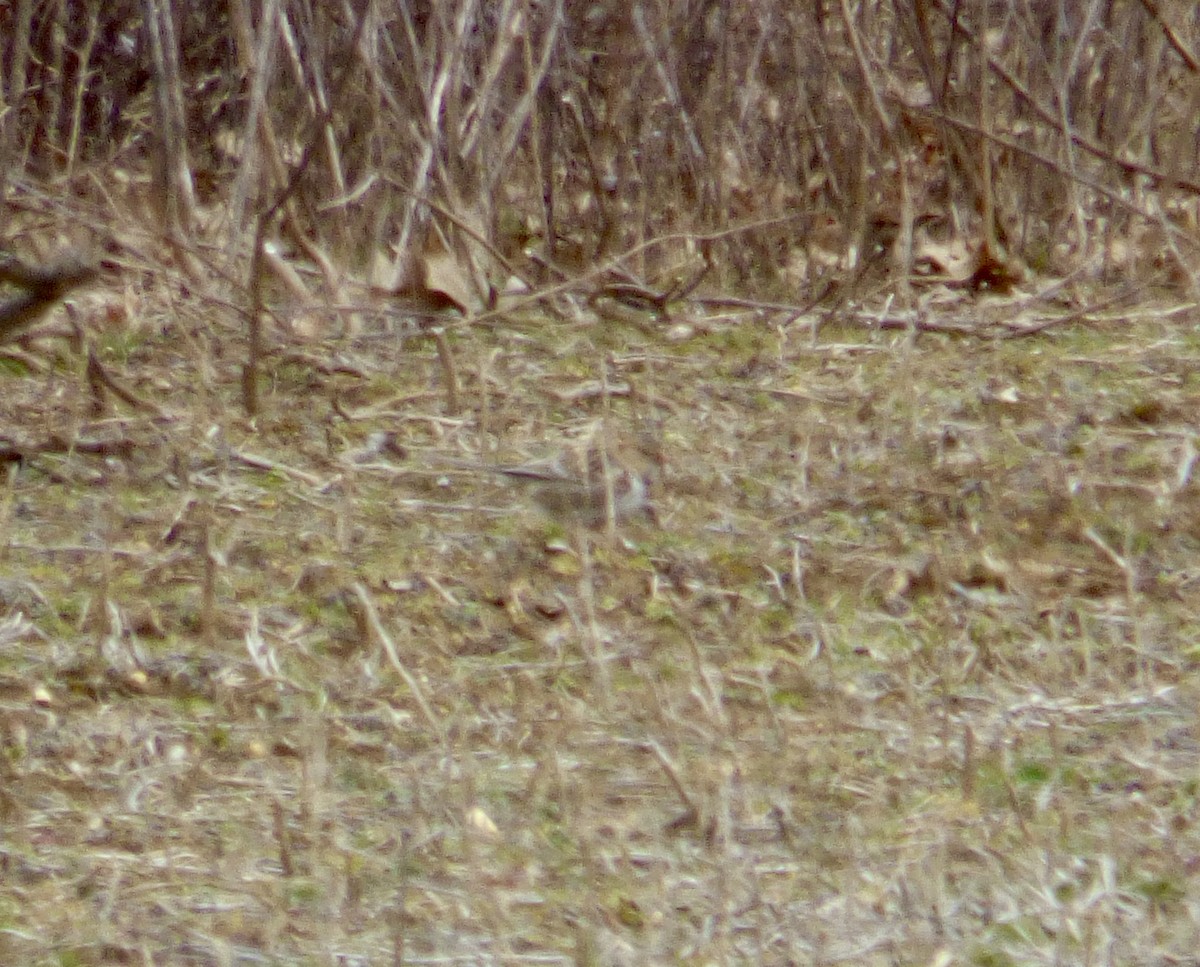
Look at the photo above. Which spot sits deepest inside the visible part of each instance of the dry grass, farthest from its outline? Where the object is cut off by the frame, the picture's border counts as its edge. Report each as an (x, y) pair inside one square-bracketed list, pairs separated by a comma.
[(903, 673), (902, 670)]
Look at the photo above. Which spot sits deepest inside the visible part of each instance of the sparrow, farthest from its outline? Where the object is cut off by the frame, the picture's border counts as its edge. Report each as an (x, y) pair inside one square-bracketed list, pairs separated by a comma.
[(590, 484), (591, 499)]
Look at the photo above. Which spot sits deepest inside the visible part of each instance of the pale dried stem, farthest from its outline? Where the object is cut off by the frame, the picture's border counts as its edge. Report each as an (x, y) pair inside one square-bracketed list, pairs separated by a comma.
[(381, 634)]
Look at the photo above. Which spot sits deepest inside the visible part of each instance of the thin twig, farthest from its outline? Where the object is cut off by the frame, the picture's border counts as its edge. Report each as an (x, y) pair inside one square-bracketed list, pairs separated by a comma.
[(389, 646)]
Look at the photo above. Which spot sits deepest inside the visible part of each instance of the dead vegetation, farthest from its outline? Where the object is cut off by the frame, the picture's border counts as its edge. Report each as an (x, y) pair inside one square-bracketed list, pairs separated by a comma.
[(893, 309)]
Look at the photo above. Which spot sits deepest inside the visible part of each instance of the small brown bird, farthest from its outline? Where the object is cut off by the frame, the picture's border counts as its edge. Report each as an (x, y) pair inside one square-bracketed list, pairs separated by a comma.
[(590, 483), (609, 489)]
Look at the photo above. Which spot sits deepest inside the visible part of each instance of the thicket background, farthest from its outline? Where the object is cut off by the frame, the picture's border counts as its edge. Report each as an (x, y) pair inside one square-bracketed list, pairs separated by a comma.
[(903, 672), (1061, 134)]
